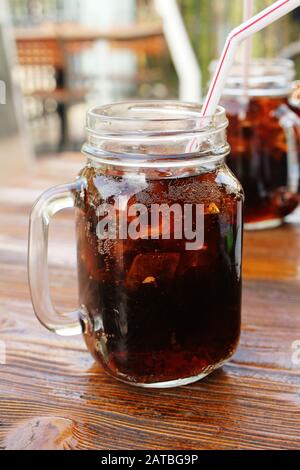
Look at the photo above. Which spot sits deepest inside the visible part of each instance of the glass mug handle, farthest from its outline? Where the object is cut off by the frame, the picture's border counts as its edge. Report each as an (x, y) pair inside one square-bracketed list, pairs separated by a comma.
[(289, 121), (52, 201)]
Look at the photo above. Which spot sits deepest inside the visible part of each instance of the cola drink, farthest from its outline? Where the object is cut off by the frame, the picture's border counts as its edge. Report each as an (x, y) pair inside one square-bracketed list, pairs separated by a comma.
[(263, 139), (161, 312), (260, 158)]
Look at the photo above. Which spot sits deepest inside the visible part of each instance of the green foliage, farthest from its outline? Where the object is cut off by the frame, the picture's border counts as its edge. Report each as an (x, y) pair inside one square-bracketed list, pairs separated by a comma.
[(209, 22)]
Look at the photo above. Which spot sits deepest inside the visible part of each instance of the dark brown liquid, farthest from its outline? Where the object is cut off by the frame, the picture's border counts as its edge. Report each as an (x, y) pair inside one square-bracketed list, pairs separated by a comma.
[(161, 312), (259, 158), (295, 107)]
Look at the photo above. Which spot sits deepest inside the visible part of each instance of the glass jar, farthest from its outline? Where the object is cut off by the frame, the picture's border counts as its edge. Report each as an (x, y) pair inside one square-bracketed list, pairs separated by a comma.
[(263, 138), (159, 230)]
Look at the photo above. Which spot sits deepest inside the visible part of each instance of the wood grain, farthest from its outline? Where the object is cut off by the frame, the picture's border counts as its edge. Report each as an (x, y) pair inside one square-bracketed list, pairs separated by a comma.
[(53, 396)]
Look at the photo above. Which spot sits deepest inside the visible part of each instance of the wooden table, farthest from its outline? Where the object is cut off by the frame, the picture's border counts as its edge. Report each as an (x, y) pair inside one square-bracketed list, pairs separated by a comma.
[(52, 395)]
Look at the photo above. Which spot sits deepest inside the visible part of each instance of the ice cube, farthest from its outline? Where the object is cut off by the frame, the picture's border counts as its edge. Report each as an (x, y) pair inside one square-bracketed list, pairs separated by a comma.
[(212, 208), (239, 145), (149, 280), (152, 269), (195, 259), (129, 185)]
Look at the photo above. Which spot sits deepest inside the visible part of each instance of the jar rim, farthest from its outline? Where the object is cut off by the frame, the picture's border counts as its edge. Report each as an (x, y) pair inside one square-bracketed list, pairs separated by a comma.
[(153, 117), (266, 77), (154, 133)]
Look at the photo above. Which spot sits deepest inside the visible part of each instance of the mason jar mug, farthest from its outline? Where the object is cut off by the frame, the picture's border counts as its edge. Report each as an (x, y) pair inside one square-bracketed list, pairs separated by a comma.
[(262, 133), (159, 223)]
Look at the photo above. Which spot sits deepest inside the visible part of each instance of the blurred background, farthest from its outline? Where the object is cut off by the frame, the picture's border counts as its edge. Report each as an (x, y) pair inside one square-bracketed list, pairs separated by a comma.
[(58, 57)]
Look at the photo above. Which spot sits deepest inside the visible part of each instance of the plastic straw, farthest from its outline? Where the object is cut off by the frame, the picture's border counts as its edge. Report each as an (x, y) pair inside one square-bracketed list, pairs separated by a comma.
[(239, 34)]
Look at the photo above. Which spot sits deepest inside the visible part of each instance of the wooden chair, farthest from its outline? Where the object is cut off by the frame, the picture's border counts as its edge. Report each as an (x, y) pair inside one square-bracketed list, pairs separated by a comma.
[(38, 52)]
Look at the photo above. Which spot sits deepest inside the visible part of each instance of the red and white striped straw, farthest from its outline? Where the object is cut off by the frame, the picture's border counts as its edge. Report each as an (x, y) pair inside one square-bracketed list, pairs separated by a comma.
[(239, 34)]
